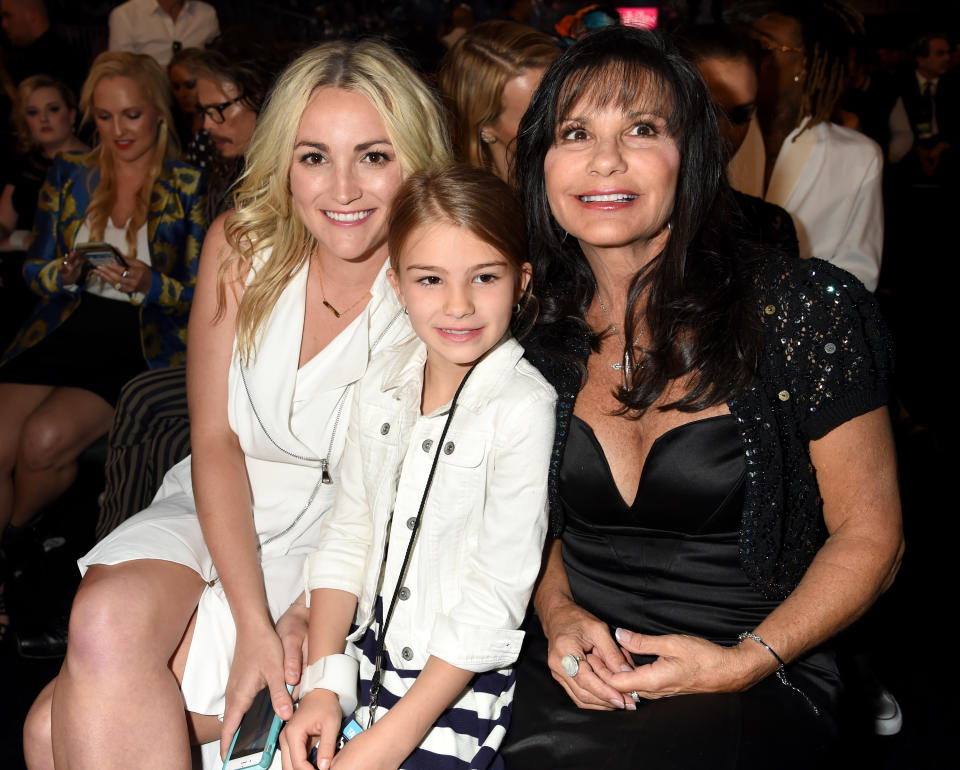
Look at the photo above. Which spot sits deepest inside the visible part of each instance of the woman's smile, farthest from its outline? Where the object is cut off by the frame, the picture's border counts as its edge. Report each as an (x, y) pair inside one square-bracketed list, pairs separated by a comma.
[(610, 200), (348, 218)]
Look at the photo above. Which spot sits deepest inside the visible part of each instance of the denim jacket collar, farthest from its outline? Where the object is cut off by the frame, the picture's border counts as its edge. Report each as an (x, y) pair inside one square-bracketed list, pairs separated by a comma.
[(406, 376)]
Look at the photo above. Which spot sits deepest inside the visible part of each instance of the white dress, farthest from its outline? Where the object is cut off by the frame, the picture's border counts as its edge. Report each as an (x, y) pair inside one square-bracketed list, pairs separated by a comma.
[(286, 420)]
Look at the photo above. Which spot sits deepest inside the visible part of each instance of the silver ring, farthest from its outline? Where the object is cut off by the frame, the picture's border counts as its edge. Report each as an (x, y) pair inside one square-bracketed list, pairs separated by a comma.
[(635, 695), (65, 262), (124, 274), (570, 664)]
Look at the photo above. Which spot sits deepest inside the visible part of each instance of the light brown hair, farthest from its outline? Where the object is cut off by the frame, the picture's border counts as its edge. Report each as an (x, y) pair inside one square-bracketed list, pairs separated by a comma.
[(467, 197), (473, 74)]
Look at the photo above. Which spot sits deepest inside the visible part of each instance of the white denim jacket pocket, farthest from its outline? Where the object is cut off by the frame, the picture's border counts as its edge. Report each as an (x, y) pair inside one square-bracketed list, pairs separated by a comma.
[(481, 537)]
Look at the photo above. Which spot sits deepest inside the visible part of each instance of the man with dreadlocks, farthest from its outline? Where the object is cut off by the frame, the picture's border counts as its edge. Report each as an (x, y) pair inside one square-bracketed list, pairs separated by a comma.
[(828, 177)]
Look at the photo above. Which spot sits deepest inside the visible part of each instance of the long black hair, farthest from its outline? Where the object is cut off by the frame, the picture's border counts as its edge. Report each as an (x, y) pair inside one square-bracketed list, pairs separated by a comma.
[(702, 321)]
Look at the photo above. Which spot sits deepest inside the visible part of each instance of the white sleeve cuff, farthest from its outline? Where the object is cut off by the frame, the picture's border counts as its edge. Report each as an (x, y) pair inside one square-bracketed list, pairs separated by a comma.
[(474, 648), (321, 571), (337, 673)]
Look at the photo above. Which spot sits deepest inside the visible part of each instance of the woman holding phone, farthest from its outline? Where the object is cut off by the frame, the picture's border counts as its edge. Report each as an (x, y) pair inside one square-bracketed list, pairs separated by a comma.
[(97, 326), (178, 605)]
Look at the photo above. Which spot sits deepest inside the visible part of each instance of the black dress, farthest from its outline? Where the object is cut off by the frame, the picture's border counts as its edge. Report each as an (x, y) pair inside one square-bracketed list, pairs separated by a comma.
[(666, 564)]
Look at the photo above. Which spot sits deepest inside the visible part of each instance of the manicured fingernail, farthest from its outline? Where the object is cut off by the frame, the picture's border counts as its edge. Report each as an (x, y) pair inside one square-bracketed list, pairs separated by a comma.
[(617, 704), (623, 636), (631, 706), (624, 667)]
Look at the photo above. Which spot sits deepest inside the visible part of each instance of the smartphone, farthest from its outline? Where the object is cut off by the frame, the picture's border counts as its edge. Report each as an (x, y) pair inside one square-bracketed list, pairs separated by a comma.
[(255, 741), (100, 254)]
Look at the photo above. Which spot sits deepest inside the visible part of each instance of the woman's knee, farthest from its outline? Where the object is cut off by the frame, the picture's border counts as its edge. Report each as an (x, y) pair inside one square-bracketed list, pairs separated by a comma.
[(110, 622), (37, 736), (43, 443), (124, 616)]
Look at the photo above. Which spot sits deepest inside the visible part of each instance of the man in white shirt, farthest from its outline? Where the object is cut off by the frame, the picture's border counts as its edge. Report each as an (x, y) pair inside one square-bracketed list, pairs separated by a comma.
[(160, 28)]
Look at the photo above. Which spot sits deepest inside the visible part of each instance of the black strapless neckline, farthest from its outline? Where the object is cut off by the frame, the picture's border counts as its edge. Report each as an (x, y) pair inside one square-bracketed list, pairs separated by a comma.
[(669, 563), (691, 482)]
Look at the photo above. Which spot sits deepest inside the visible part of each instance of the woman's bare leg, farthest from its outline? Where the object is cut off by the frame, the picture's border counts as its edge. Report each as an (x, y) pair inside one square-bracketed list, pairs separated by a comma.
[(37, 734), (17, 403), (51, 440), (116, 702), (37, 739)]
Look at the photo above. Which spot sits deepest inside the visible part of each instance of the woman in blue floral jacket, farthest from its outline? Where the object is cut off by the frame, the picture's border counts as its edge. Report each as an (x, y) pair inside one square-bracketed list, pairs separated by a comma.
[(97, 326)]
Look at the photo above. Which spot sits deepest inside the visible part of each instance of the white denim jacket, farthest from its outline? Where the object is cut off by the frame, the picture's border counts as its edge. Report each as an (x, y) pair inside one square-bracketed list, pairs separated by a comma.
[(481, 537)]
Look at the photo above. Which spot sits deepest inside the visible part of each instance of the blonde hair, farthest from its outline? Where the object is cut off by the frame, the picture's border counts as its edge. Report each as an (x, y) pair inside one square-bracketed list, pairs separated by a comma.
[(28, 86), (155, 88), (265, 217), (474, 73)]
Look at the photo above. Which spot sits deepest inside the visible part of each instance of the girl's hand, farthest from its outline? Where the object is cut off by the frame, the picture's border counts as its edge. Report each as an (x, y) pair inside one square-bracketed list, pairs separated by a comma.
[(367, 751), (136, 276), (688, 664), (257, 662), (318, 715), (572, 630), (71, 266)]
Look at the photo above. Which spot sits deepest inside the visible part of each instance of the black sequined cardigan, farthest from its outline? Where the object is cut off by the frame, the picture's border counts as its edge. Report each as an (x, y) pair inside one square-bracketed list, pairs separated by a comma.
[(827, 358)]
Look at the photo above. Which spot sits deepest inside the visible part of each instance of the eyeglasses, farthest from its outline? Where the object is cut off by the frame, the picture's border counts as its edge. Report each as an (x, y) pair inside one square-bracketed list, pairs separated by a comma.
[(215, 111), (770, 45)]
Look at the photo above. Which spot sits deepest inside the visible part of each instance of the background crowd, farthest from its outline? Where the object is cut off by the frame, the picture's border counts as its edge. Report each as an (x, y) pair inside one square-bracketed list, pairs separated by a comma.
[(850, 156)]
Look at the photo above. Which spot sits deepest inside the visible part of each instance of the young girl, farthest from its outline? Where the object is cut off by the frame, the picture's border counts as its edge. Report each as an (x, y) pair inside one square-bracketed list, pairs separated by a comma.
[(435, 539)]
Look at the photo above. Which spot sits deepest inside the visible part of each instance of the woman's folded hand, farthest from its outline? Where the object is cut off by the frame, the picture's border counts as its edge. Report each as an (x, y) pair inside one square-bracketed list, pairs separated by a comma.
[(686, 665), (571, 630)]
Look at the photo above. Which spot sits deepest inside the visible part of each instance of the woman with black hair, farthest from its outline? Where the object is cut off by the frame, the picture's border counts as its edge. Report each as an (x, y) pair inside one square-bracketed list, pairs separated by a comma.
[(723, 486)]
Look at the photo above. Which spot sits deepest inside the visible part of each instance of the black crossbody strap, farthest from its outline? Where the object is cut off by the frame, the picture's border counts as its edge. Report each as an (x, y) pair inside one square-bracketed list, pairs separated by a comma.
[(382, 635)]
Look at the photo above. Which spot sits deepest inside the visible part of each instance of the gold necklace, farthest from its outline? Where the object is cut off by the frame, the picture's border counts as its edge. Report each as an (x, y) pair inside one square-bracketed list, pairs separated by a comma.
[(331, 308), (627, 365)]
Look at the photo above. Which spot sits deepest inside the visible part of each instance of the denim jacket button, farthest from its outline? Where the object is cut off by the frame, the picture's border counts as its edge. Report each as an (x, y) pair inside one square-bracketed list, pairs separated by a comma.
[(406, 653), (449, 447), (411, 522), (404, 593), (425, 446), (385, 429)]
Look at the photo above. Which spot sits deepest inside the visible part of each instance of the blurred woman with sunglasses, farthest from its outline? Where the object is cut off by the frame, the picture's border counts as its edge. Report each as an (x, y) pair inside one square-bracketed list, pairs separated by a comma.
[(828, 177)]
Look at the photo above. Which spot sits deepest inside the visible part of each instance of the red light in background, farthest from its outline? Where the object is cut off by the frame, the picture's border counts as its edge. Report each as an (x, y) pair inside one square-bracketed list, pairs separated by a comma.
[(639, 17)]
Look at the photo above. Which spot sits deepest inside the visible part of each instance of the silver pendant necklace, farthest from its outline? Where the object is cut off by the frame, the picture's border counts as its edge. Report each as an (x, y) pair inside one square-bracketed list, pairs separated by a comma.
[(626, 366)]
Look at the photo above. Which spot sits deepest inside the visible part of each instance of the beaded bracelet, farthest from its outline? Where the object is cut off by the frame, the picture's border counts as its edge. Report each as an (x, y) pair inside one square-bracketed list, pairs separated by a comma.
[(781, 669)]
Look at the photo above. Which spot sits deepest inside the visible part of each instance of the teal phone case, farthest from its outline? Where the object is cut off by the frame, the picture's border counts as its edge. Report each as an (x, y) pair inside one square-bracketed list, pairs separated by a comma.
[(266, 759)]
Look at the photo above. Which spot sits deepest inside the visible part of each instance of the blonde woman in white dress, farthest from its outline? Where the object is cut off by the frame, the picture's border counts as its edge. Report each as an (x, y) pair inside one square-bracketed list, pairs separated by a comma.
[(176, 614)]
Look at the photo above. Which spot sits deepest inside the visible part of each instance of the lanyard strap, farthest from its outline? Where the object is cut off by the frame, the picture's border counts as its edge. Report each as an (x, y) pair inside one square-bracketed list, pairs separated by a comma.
[(381, 637)]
